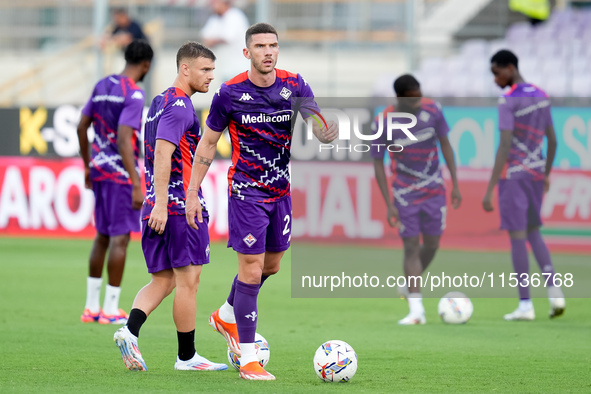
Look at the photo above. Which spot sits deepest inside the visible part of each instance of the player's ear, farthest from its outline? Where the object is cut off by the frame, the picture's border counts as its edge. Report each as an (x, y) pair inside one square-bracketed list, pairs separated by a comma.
[(246, 53)]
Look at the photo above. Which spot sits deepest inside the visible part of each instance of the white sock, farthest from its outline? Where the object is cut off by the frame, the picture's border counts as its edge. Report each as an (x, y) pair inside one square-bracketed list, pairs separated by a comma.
[(227, 313), (111, 304), (93, 294), (249, 353), (415, 303), (525, 305), (403, 290)]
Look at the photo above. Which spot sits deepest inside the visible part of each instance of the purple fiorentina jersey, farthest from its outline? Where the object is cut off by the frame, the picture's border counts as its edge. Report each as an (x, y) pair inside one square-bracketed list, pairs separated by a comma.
[(116, 100), (525, 110), (259, 120), (172, 118), (418, 176)]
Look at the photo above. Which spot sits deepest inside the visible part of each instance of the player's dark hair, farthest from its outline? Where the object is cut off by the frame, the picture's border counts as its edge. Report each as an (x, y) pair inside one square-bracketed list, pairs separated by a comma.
[(259, 28), (119, 11), (138, 51), (193, 50), (405, 83), (504, 57)]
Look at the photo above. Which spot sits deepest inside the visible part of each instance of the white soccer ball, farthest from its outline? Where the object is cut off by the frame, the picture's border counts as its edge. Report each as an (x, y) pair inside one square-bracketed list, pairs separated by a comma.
[(262, 348), (455, 308), (335, 361)]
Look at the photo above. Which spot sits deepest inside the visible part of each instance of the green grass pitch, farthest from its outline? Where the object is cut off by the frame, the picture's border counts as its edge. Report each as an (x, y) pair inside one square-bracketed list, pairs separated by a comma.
[(45, 348)]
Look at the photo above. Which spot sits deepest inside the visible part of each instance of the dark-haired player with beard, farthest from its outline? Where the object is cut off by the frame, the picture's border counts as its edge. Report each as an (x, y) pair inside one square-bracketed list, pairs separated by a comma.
[(174, 252), (256, 107)]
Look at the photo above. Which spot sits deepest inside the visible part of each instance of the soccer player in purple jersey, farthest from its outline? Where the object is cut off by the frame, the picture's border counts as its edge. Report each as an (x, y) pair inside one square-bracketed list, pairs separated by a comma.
[(256, 108), (523, 177), (115, 109), (174, 252), (419, 205)]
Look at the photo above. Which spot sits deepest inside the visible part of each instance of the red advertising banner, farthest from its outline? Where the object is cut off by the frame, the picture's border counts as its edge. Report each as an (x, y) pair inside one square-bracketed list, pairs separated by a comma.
[(332, 202), (46, 197), (341, 203)]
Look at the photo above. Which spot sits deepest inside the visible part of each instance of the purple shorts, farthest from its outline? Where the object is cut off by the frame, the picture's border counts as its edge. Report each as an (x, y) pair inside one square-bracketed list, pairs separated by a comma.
[(427, 217), (259, 227), (520, 203), (113, 214), (178, 246)]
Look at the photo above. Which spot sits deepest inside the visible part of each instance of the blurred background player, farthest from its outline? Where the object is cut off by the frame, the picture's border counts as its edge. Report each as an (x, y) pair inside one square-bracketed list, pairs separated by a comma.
[(523, 177), (123, 30), (174, 252), (259, 203), (224, 33), (419, 205), (115, 109)]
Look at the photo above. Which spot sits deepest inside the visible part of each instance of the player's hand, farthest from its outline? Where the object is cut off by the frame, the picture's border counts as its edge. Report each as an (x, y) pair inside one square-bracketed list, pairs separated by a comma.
[(487, 202), (393, 216), (456, 198), (137, 197), (546, 184), (158, 218), (87, 181), (192, 208), (329, 134)]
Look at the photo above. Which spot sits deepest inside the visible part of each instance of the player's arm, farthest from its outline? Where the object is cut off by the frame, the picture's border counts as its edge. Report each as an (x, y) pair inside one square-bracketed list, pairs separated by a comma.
[(552, 144), (325, 134), (500, 161), (378, 165), (204, 155), (450, 161), (124, 138), (162, 167), (83, 126)]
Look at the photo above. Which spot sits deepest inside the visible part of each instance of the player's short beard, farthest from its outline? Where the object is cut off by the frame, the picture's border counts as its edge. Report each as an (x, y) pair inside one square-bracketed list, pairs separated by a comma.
[(259, 68)]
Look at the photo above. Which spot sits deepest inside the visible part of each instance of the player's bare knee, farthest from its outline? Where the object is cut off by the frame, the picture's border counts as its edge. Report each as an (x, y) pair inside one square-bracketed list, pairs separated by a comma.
[(430, 243), (411, 246), (271, 270), (119, 241)]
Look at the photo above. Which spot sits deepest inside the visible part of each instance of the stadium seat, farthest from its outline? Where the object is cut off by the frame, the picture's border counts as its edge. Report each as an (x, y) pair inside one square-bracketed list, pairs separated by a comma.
[(556, 85)]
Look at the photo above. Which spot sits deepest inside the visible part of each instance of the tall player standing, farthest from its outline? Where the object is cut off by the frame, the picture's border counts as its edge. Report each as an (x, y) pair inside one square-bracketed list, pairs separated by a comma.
[(523, 177), (419, 205), (174, 252), (115, 108), (256, 108)]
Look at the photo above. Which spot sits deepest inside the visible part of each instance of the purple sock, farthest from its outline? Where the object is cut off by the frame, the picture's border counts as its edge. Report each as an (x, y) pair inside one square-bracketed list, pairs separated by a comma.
[(263, 279), (246, 311), (232, 291), (542, 254), (520, 264)]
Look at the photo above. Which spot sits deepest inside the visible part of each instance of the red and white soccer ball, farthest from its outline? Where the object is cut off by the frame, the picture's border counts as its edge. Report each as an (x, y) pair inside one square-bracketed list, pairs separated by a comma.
[(262, 348), (335, 361), (455, 308)]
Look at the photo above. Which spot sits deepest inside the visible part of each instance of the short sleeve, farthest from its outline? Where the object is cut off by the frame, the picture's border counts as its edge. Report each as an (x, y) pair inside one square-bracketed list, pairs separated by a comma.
[(175, 121), (441, 126), (133, 107), (506, 115), (87, 109), (219, 112), (548, 116), (307, 105)]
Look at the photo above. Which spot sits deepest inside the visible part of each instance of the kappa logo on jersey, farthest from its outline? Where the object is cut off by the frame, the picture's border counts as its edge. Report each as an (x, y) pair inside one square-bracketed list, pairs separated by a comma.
[(285, 93), (179, 103), (246, 97), (424, 116), (218, 91), (137, 95), (249, 240), (252, 315)]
